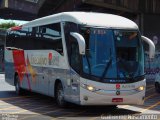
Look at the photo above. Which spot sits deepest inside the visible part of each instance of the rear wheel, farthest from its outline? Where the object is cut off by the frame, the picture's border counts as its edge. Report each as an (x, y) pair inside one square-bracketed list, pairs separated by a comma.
[(60, 95), (157, 87), (17, 86)]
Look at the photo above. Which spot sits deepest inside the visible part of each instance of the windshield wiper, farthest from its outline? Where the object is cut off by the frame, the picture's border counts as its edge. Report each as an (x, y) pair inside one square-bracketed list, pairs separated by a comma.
[(107, 66), (89, 66), (106, 69)]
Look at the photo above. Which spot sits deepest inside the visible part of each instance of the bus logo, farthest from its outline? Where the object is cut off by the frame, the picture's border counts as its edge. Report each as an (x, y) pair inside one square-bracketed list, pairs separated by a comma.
[(118, 86), (53, 60), (50, 58)]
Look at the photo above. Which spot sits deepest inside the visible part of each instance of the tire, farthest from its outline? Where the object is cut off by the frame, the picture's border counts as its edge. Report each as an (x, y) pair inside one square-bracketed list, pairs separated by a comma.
[(157, 87), (60, 95), (18, 88)]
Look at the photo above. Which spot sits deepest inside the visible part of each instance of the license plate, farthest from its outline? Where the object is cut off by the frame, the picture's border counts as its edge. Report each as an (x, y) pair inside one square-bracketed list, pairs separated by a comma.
[(117, 99)]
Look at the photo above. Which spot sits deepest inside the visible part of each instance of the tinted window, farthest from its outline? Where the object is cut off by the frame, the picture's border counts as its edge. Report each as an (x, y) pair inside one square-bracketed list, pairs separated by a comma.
[(72, 46), (47, 37), (16, 39), (51, 37)]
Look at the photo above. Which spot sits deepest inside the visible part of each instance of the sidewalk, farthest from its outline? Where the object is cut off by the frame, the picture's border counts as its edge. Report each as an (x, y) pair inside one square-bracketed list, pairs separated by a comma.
[(2, 76)]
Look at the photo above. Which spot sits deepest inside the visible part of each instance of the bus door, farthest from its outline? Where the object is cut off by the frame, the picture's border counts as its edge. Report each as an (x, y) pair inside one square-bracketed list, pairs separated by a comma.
[(74, 60)]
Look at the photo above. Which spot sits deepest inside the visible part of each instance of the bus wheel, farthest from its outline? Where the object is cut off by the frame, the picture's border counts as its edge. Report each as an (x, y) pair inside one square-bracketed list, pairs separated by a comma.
[(17, 86), (60, 95), (157, 87)]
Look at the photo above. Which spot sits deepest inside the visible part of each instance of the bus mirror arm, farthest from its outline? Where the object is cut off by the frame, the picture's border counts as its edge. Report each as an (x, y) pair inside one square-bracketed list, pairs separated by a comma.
[(81, 42), (151, 46)]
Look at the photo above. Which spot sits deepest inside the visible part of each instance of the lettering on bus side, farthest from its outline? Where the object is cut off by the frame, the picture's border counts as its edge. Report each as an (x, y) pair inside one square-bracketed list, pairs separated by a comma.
[(39, 60), (128, 86), (54, 61)]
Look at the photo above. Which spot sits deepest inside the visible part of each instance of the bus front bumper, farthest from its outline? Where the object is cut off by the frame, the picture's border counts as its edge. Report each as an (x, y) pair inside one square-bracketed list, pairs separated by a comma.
[(104, 97)]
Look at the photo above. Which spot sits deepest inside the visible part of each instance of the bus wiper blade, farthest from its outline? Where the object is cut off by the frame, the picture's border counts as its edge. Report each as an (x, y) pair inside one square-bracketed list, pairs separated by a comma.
[(106, 69), (89, 66)]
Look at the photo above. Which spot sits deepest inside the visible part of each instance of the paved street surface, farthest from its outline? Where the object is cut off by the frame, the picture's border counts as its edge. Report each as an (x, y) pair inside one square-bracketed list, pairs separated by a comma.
[(35, 106)]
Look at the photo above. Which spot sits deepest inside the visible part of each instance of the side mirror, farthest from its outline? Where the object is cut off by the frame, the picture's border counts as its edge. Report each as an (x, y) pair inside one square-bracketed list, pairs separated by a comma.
[(151, 46), (81, 42)]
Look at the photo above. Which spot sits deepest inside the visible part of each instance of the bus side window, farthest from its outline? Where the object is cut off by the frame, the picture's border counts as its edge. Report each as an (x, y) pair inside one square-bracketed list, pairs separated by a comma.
[(50, 36), (74, 54), (15, 39), (72, 46)]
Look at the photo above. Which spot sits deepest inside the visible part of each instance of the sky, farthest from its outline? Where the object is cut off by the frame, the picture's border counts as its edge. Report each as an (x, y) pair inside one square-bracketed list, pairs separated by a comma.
[(16, 21)]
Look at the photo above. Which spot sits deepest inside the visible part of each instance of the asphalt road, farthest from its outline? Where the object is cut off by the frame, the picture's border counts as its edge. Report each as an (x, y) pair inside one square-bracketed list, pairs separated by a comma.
[(34, 106)]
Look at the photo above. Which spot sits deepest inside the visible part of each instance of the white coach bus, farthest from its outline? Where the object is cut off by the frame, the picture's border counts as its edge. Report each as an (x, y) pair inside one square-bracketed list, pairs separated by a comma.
[(79, 57)]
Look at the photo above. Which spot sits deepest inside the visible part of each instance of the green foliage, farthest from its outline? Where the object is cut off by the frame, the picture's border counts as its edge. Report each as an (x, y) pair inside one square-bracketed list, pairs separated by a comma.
[(7, 25)]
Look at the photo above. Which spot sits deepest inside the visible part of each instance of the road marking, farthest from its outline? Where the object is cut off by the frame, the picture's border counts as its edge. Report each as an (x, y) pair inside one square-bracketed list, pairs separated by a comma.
[(150, 96), (41, 114), (4, 103), (7, 108), (150, 107), (124, 106)]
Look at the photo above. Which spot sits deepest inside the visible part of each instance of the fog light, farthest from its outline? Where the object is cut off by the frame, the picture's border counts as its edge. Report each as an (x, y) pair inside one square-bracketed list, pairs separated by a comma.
[(85, 98)]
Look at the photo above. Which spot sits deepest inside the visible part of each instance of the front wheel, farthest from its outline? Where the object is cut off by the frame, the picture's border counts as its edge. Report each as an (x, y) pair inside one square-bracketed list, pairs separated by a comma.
[(60, 95), (17, 86)]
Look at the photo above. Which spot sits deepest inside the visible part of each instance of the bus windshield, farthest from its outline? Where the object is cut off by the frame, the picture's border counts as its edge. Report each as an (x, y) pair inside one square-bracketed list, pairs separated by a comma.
[(112, 54)]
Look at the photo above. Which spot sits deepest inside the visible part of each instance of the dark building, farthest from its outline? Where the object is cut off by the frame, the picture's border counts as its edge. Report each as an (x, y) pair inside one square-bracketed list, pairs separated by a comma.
[(146, 13)]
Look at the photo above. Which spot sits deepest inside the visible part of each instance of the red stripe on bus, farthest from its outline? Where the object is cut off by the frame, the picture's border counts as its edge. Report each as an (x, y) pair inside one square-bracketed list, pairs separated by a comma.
[(20, 65)]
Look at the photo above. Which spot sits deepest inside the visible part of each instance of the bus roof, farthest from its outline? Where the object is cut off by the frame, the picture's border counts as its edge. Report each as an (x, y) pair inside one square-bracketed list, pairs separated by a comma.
[(86, 18)]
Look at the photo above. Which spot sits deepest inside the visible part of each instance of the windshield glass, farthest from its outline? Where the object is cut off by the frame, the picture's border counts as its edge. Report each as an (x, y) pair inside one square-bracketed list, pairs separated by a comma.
[(100, 49), (129, 54), (111, 53)]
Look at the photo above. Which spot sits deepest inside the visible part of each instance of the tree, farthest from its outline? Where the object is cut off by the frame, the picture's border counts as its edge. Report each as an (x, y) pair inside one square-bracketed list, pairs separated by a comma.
[(7, 25)]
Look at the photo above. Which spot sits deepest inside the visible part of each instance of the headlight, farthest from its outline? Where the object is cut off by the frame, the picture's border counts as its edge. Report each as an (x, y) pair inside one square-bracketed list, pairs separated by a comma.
[(89, 87), (141, 88)]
